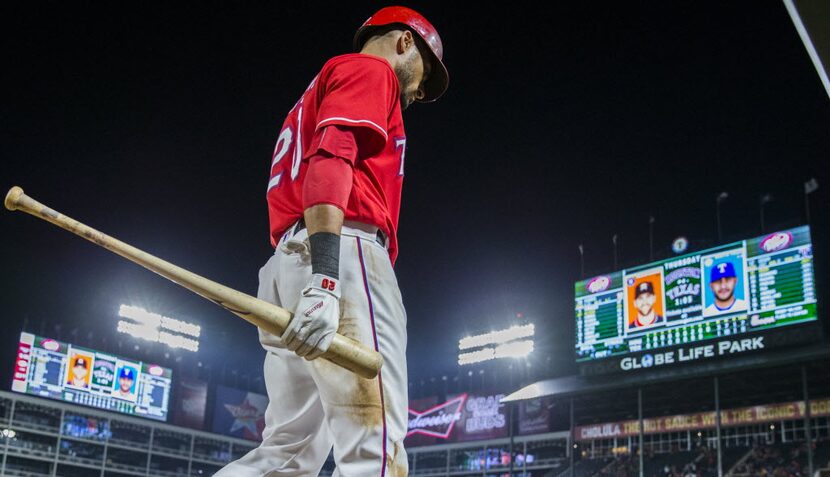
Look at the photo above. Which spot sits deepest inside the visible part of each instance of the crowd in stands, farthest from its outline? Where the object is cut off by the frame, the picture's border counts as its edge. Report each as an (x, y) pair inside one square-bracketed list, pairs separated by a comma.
[(689, 469), (780, 460), (622, 466), (685, 464), (670, 464), (775, 461)]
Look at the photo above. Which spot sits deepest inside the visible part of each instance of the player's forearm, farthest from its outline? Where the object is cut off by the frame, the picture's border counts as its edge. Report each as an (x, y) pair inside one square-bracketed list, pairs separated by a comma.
[(326, 191), (323, 218)]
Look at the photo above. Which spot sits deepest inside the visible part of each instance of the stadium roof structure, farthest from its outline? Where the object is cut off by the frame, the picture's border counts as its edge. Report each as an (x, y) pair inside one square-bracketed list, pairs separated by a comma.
[(810, 18), (577, 385)]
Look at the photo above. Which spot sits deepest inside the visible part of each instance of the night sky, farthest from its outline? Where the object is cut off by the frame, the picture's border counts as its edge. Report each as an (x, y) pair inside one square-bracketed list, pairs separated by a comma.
[(563, 125)]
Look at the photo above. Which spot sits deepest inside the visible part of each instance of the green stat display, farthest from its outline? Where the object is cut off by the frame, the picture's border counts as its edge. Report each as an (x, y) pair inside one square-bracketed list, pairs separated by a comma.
[(757, 284)]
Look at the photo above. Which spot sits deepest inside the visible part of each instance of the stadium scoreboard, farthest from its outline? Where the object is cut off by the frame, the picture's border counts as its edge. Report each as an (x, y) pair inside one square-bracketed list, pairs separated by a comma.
[(57, 370), (728, 294)]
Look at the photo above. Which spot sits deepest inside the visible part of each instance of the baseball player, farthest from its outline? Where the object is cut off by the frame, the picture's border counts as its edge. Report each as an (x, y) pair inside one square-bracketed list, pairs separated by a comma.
[(333, 200), (722, 282), (79, 373), (126, 378), (644, 299)]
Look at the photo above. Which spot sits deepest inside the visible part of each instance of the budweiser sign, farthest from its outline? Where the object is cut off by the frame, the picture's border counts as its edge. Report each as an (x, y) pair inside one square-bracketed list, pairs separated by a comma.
[(437, 421)]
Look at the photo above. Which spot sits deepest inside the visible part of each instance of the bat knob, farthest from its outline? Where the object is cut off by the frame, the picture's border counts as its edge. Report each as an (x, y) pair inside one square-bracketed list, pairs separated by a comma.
[(13, 197)]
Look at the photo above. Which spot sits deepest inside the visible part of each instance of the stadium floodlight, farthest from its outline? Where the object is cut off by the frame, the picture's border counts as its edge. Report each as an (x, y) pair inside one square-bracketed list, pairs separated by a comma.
[(155, 320), (157, 328), (478, 356), (516, 349), (497, 337), (138, 331), (509, 343)]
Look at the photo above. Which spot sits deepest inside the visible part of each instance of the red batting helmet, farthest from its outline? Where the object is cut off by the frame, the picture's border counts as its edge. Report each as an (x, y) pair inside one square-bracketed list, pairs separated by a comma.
[(438, 80)]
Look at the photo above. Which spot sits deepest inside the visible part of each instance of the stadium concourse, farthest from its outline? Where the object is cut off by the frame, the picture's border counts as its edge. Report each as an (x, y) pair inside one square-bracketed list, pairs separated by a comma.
[(761, 429)]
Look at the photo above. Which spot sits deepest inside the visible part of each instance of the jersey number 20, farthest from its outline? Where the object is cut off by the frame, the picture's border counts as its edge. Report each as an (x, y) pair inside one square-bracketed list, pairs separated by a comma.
[(284, 143)]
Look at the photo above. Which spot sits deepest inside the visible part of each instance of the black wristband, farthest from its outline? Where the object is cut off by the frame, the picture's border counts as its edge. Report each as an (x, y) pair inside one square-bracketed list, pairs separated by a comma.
[(325, 254)]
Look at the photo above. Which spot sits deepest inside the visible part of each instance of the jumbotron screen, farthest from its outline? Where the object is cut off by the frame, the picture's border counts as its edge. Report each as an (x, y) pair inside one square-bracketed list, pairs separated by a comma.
[(726, 292), (57, 370)]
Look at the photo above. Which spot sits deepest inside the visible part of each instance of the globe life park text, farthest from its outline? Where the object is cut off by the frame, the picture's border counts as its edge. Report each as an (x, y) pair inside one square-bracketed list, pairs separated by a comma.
[(692, 353)]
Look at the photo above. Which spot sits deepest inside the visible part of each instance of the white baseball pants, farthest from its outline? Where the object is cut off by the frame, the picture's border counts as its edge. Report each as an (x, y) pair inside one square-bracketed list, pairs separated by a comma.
[(314, 405)]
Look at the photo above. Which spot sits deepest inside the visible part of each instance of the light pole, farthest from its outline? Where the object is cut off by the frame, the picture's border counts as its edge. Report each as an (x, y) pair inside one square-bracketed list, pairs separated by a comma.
[(650, 238), (809, 187), (765, 199), (721, 197)]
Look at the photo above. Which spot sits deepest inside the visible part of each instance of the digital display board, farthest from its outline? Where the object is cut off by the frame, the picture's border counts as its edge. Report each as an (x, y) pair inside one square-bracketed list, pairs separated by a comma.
[(727, 292), (57, 370)]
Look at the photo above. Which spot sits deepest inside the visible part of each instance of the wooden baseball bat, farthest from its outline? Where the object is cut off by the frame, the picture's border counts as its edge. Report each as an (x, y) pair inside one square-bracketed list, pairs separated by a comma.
[(345, 352)]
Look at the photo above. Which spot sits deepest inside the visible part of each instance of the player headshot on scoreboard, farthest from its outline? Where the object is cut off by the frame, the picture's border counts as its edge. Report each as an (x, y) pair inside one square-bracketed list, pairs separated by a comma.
[(78, 372), (726, 287), (125, 384), (645, 303)]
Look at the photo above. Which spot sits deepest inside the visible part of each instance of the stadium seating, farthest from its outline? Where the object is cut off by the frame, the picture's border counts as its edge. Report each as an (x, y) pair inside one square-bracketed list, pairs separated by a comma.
[(657, 464), (701, 462), (590, 467), (821, 456), (778, 459), (707, 460)]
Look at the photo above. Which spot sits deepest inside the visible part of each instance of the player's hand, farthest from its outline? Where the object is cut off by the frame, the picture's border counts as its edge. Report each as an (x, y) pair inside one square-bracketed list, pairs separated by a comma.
[(311, 331)]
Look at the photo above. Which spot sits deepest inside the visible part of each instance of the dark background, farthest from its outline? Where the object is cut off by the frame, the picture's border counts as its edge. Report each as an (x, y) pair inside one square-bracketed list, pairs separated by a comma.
[(564, 124)]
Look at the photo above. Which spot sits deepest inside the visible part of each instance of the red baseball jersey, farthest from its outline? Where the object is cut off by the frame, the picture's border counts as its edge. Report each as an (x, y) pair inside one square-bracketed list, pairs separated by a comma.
[(357, 91)]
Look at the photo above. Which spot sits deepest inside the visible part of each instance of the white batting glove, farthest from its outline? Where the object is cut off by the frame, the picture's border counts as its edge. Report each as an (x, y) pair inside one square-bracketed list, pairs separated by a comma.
[(311, 331)]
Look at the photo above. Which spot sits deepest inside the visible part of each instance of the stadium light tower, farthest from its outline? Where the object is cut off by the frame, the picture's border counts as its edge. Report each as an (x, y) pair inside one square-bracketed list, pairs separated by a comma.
[(157, 328)]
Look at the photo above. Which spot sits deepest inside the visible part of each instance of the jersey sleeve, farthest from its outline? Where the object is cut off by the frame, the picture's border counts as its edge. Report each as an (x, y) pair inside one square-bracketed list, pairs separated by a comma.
[(358, 94), (337, 141), (328, 181)]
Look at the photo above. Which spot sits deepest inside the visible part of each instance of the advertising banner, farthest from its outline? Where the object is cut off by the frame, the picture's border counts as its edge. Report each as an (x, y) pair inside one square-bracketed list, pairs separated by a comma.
[(190, 405), (535, 415), (239, 413), (704, 420), (461, 417)]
